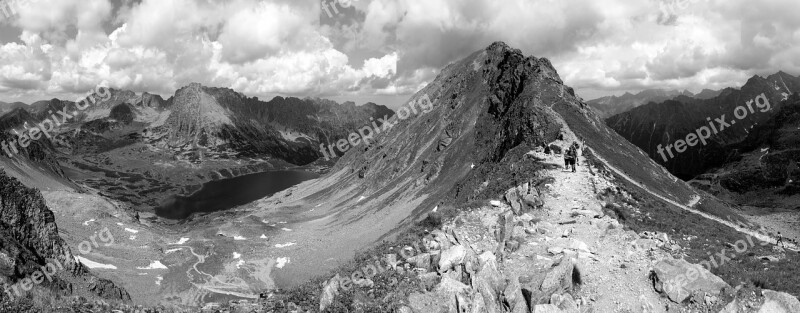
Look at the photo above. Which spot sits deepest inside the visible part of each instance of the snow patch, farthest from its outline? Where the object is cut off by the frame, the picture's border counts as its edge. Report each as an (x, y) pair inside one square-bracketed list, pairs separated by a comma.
[(239, 238), (182, 241), (154, 265), (263, 236), (133, 231), (282, 262), (86, 223), (286, 229), (93, 265), (288, 244), (236, 255), (172, 250), (159, 279)]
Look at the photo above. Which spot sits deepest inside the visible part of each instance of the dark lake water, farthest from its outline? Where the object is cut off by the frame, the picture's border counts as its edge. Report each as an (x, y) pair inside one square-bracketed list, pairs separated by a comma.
[(224, 194)]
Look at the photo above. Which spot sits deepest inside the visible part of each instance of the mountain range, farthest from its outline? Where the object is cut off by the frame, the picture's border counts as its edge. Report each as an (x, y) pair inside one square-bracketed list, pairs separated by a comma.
[(661, 124), (476, 185)]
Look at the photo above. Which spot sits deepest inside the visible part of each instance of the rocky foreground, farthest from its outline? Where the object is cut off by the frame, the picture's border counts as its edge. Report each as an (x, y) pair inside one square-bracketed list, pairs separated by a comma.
[(552, 248)]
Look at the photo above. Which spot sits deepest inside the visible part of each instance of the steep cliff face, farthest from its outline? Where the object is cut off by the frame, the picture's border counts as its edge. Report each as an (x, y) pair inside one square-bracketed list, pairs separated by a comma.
[(29, 242), (655, 124)]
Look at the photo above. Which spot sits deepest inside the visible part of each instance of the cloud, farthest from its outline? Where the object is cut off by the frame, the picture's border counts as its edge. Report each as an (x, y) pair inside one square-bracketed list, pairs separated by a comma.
[(390, 47)]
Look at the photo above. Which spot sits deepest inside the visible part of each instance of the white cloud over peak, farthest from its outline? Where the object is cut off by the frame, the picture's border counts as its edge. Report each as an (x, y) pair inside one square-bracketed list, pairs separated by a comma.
[(388, 47)]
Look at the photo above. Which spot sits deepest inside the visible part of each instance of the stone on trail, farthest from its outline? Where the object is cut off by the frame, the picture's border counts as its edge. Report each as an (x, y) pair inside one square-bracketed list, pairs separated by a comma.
[(679, 280), (540, 287), (452, 257)]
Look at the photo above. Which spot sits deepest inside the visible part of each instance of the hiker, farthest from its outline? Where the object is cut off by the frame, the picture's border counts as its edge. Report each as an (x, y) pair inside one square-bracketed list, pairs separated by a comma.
[(780, 241), (571, 156)]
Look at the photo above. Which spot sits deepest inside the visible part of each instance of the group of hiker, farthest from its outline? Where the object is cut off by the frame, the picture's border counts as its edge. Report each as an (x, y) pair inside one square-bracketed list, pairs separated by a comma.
[(571, 157)]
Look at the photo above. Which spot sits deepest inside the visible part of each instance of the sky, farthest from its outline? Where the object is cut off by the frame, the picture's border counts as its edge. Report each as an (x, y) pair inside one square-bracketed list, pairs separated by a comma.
[(383, 51)]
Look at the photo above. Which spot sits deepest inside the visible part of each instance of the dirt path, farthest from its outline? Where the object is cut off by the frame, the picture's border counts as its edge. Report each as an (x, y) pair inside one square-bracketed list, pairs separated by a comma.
[(690, 208), (615, 275)]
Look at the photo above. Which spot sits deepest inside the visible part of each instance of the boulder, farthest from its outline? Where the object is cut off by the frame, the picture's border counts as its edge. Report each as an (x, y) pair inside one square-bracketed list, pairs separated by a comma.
[(523, 198), (457, 293), (452, 257), (513, 296), (679, 280), (779, 302), (556, 149), (538, 288), (422, 260), (329, 292), (489, 282)]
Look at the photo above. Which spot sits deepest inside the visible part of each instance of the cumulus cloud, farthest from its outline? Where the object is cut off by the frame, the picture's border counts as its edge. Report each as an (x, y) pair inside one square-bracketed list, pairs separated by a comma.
[(389, 47)]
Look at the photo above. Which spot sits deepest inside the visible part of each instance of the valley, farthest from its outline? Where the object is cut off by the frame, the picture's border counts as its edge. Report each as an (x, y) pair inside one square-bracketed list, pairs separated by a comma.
[(215, 199)]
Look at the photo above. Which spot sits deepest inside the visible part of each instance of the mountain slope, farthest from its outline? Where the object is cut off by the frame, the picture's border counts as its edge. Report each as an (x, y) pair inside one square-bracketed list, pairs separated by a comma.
[(29, 241), (489, 110), (655, 124)]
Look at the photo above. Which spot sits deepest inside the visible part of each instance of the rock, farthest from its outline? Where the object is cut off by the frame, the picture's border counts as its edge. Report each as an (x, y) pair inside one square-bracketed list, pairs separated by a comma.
[(452, 257), (539, 287), (512, 245), (546, 308), (565, 303), (405, 309), (506, 227), (458, 295), (523, 198), (513, 296), (779, 302), (489, 283), (329, 292), (391, 260), (515, 200), (679, 279), (497, 204), (422, 260), (555, 148), (430, 243), (441, 238), (461, 237)]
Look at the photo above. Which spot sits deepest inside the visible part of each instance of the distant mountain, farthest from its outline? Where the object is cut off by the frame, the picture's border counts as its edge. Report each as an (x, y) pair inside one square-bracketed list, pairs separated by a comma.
[(8, 107), (222, 121), (200, 122), (664, 123), (763, 168), (707, 94), (613, 105)]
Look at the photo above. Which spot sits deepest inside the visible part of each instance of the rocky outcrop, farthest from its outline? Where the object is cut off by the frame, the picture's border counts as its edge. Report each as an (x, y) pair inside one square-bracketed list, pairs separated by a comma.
[(29, 242)]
